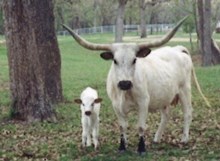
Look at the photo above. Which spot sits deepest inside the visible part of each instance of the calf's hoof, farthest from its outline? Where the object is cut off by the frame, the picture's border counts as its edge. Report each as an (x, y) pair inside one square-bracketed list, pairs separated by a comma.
[(96, 147), (184, 140)]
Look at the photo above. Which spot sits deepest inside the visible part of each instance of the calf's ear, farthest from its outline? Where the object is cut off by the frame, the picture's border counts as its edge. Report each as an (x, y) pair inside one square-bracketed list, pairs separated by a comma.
[(78, 101), (143, 52), (107, 55), (98, 100)]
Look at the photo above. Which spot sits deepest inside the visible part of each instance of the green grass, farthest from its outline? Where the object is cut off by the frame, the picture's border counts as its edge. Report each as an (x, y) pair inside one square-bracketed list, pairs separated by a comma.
[(61, 140)]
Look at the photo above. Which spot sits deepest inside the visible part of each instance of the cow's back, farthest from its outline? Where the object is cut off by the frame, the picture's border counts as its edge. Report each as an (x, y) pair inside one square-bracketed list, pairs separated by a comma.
[(167, 70)]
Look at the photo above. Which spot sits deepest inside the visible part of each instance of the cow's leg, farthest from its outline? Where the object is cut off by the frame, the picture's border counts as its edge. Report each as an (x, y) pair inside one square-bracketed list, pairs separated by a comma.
[(164, 119), (142, 117), (95, 135), (123, 129), (185, 98)]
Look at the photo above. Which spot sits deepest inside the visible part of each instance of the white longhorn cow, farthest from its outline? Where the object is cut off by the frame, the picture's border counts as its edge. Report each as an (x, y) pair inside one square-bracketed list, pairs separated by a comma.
[(142, 79)]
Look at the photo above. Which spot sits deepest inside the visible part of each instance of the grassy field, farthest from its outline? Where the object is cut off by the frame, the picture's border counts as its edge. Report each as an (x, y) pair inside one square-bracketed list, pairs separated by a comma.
[(61, 140)]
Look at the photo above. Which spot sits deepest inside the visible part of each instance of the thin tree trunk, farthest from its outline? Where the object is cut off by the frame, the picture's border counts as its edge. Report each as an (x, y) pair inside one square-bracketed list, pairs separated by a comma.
[(142, 6), (119, 30), (191, 43), (34, 59), (207, 55)]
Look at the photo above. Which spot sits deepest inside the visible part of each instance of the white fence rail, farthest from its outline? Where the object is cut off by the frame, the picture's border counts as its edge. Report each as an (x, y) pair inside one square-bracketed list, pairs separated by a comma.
[(151, 28)]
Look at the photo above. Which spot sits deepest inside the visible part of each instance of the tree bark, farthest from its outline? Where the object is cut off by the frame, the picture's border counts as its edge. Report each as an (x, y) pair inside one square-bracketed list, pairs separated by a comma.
[(34, 59), (208, 48), (207, 57), (1, 19), (119, 30), (142, 6)]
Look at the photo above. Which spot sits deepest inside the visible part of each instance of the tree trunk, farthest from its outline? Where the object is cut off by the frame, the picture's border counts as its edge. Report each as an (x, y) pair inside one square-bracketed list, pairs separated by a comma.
[(208, 48), (119, 30), (1, 19), (142, 6), (215, 53), (207, 55), (34, 59)]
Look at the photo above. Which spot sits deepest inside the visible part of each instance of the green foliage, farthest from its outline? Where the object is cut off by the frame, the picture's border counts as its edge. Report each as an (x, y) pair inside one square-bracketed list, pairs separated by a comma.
[(61, 140), (189, 25)]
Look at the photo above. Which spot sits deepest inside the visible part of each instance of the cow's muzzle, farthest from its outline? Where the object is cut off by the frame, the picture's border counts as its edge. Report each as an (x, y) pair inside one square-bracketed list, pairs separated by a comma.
[(125, 85), (88, 113)]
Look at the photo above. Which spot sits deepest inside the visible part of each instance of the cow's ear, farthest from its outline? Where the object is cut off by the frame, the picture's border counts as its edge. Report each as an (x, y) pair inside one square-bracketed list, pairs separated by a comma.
[(143, 52), (107, 55), (98, 100), (78, 101)]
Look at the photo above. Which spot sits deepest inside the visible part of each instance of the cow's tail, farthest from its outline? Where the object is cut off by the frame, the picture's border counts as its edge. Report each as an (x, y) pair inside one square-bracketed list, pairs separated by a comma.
[(199, 88), (185, 50)]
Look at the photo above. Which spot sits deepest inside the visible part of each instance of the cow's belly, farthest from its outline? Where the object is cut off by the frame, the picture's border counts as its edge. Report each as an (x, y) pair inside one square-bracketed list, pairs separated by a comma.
[(160, 102), (161, 96)]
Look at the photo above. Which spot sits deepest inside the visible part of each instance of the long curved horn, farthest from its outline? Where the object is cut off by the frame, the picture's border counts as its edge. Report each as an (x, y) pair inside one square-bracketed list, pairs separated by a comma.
[(165, 39), (86, 44)]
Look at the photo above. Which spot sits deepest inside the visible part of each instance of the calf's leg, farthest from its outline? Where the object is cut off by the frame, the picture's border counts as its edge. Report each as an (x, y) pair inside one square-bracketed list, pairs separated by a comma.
[(85, 134), (88, 138), (95, 135)]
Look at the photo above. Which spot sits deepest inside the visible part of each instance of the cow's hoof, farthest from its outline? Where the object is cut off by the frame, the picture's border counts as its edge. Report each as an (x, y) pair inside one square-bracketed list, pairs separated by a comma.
[(141, 151), (122, 147), (141, 146)]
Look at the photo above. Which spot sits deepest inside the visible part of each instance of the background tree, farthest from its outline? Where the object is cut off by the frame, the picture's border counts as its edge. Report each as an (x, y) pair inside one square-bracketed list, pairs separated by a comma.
[(142, 6), (1, 18), (119, 26), (107, 12), (131, 12), (34, 59), (189, 27), (208, 47), (183, 8)]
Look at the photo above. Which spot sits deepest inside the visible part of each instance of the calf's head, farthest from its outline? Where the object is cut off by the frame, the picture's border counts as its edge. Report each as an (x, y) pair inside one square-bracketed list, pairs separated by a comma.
[(87, 105)]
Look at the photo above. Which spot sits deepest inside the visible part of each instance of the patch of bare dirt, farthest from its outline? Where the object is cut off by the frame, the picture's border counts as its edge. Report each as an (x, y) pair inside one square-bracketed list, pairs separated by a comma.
[(197, 59), (2, 42)]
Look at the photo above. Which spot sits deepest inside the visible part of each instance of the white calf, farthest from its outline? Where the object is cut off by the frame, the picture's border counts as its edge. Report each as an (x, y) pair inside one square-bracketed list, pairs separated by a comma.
[(90, 107)]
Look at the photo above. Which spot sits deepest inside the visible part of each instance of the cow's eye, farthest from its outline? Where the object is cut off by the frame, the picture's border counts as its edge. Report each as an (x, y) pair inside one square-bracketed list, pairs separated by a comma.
[(116, 63), (134, 61)]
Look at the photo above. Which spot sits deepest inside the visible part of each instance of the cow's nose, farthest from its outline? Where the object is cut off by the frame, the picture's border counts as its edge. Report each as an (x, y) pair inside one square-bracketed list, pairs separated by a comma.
[(125, 85), (88, 113)]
